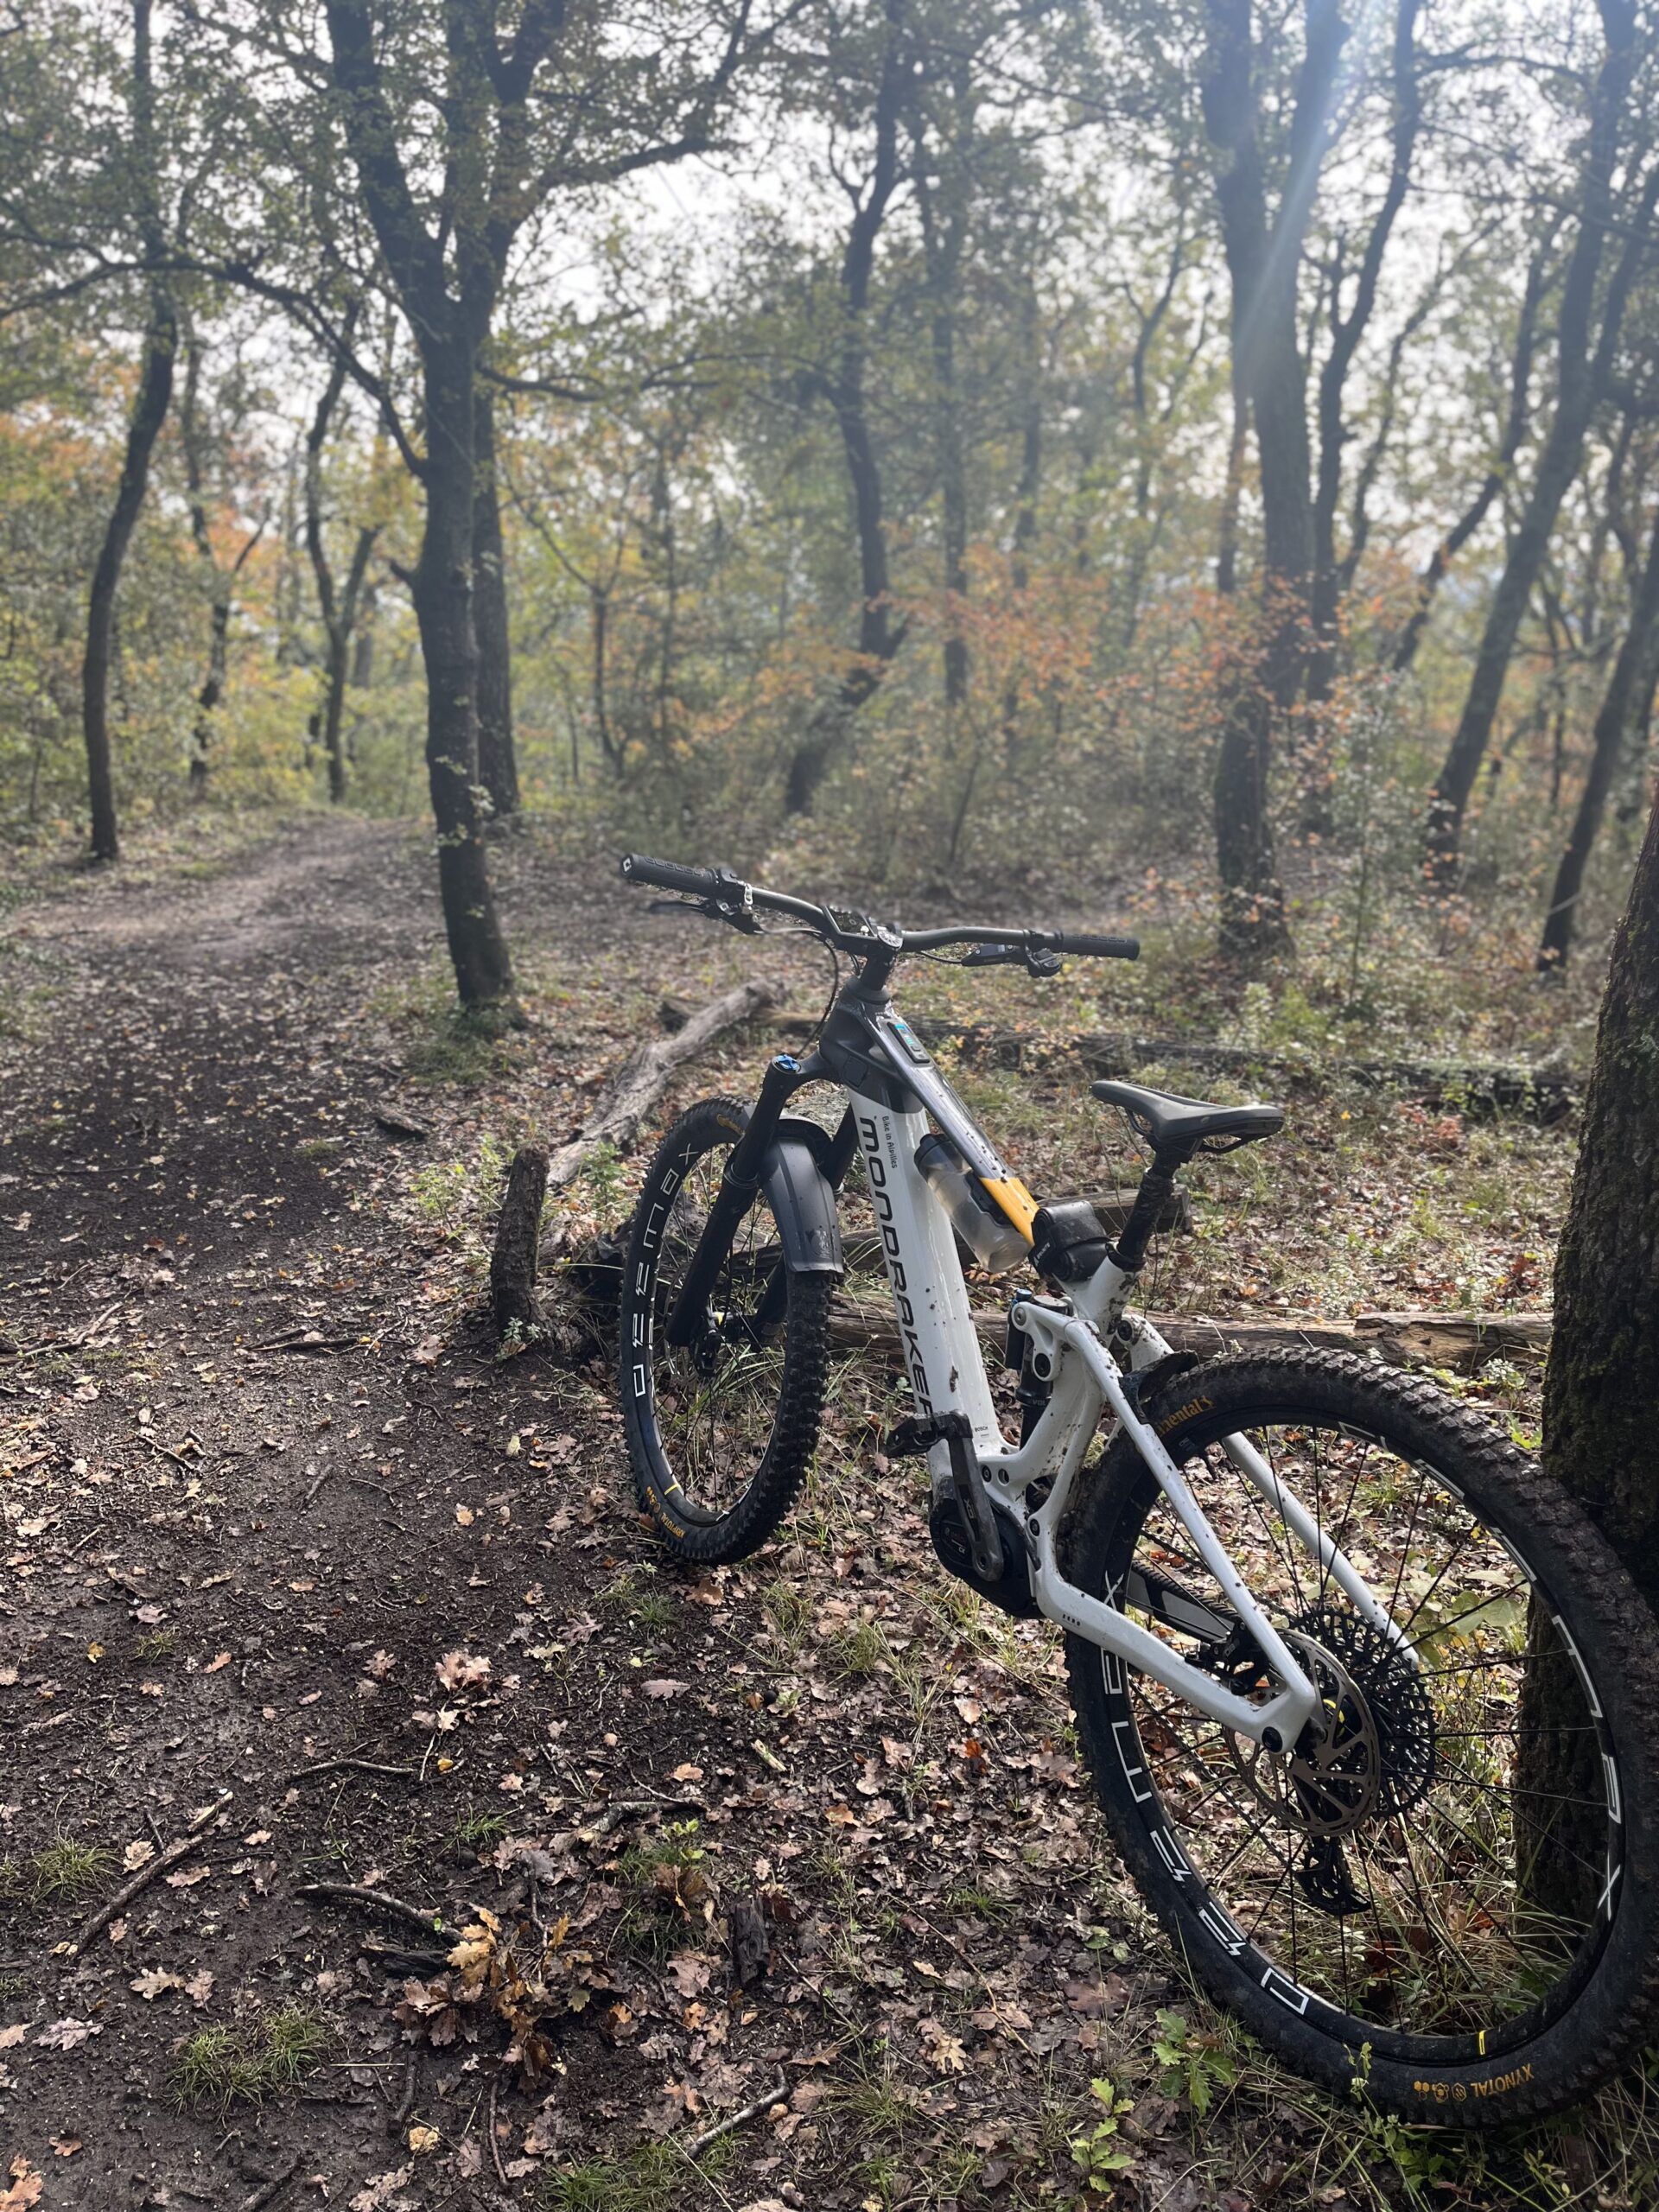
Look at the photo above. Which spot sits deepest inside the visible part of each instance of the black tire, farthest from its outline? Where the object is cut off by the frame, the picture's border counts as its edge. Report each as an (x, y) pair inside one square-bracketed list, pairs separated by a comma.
[(720, 1435), (1498, 1804)]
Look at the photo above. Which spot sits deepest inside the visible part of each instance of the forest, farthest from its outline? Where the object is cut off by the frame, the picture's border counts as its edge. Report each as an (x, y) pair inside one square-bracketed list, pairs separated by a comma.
[(1180, 469)]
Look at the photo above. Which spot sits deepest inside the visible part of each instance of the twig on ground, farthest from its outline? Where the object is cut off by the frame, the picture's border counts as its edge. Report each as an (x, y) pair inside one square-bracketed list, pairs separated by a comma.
[(402, 2111), (495, 2141), (263, 2194), (777, 2094), (190, 1466), (181, 1847), (327, 1470), (353, 1893), (358, 1766), (615, 1813)]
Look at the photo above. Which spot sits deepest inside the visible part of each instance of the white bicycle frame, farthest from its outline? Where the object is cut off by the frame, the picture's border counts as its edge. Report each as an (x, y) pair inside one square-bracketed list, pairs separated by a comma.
[(947, 1374)]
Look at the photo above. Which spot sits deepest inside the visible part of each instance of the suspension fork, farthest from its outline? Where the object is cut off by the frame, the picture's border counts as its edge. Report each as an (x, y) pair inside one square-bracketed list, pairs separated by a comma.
[(739, 1187)]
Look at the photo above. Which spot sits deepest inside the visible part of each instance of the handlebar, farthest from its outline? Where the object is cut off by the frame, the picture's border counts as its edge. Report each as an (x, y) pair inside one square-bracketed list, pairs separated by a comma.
[(727, 898)]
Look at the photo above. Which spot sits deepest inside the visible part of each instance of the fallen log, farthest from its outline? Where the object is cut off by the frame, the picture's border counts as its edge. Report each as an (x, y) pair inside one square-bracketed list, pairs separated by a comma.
[(1453, 1340), (643, 1077), (617, 1115), (1481, 1088), (518, 1317)]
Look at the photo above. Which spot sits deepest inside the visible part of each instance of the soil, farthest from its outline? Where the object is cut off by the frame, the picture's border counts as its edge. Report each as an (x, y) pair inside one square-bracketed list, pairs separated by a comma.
[(284, 1536)]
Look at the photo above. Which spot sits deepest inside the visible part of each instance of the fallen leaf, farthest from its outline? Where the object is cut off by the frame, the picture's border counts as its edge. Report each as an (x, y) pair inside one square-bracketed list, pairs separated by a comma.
[(200, 1988), (378, 2187), (380, 1665), (460, 1670), (664, 1686), (65, 2146), (422, 2138), (219, 1659), (465, 1515), (139, 1852), (25, 2188), (64, 2035), (155, 1984), (10, 2037), (186, 1878)]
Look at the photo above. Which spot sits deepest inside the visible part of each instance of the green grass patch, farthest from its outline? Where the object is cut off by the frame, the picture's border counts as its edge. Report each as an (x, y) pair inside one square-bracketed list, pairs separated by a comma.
[(219, 2067), (67, 1869)]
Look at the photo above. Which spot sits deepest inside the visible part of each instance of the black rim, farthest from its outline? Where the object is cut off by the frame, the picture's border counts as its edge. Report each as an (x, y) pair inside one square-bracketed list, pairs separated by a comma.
[(1442, 1886), (706, 1410)]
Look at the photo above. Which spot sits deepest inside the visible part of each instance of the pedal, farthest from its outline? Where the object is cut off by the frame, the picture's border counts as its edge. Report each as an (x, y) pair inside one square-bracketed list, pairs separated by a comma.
[(913, 1437)]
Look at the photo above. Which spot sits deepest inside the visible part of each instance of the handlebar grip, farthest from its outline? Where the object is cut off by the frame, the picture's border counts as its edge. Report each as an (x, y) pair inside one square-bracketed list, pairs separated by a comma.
[(669, 875), (1102, 948)]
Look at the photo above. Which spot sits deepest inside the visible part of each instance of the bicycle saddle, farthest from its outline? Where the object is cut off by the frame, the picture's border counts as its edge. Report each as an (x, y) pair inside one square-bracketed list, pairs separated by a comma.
[(1173, 1123)]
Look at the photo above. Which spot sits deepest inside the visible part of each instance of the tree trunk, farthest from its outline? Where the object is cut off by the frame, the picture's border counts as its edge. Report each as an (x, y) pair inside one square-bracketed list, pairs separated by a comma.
[(1620, 705), (1347, 329), (1514, 431), (443, 608), (1263, 259), (1601, 1387), (498, 765), (520, 1321), (879, 638), (149, 412), (1582, 359)]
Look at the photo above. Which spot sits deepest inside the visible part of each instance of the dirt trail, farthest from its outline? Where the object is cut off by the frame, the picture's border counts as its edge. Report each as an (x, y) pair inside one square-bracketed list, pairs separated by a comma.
[(269, 1506)]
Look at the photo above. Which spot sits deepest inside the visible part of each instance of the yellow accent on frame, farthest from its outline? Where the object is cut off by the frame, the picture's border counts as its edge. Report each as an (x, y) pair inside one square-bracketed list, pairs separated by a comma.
[(1016, 1202)]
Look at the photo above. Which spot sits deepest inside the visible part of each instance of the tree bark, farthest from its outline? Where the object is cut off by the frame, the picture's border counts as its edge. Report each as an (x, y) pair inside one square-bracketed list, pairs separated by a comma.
[(498, 764), (1347, 329), (878, 637), (1582, 360), (443, 609), (1626, 687), (1263, 257), (150, 407), (1601, 1385), (520, 1321)]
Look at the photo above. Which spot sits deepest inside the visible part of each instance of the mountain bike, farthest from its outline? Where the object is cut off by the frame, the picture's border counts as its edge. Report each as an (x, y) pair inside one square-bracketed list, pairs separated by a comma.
[(1370, 1707)]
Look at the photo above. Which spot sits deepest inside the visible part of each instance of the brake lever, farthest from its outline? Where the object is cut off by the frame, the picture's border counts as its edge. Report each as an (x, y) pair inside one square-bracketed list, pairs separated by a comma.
[(712, 910), (1036, 960)]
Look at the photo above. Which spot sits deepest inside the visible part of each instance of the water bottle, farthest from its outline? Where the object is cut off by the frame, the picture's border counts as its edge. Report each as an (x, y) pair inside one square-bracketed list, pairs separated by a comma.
[(974, 1215)]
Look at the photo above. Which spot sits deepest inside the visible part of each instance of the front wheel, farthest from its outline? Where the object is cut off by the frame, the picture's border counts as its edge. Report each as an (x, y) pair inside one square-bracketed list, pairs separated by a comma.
[(721, 1429), (1449, 1894)]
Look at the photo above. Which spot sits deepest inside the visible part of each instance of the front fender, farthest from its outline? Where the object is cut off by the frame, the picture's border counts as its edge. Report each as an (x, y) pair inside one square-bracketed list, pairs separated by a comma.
[(803, 1203)]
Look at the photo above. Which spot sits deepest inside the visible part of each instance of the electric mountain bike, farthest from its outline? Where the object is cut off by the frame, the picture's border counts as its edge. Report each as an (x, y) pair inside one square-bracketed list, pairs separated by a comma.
[(1371, 1709)]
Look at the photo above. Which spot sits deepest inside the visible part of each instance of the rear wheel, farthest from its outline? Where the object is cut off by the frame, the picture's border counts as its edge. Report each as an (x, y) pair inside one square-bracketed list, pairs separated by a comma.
[(1449, 1893), (720, 1430)]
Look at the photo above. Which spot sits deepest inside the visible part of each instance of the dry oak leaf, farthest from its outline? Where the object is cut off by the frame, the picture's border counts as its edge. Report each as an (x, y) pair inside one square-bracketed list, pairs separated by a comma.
[(945, 2051), (465, 1516), (379, 2191), (186, 1878), (461, 1670), (422, 2138), (664, 1686), (65, 2146), (64, 2035), (10, 2037), (136, 1854), (156, 1984), (25, 2188)]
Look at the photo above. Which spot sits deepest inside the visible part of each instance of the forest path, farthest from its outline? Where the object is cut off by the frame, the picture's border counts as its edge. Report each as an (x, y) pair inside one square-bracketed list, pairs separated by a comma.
[(270, 1504)]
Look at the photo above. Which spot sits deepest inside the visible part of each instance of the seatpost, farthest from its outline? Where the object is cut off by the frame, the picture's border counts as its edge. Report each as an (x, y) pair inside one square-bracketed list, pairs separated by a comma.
[(1157, 1187)]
